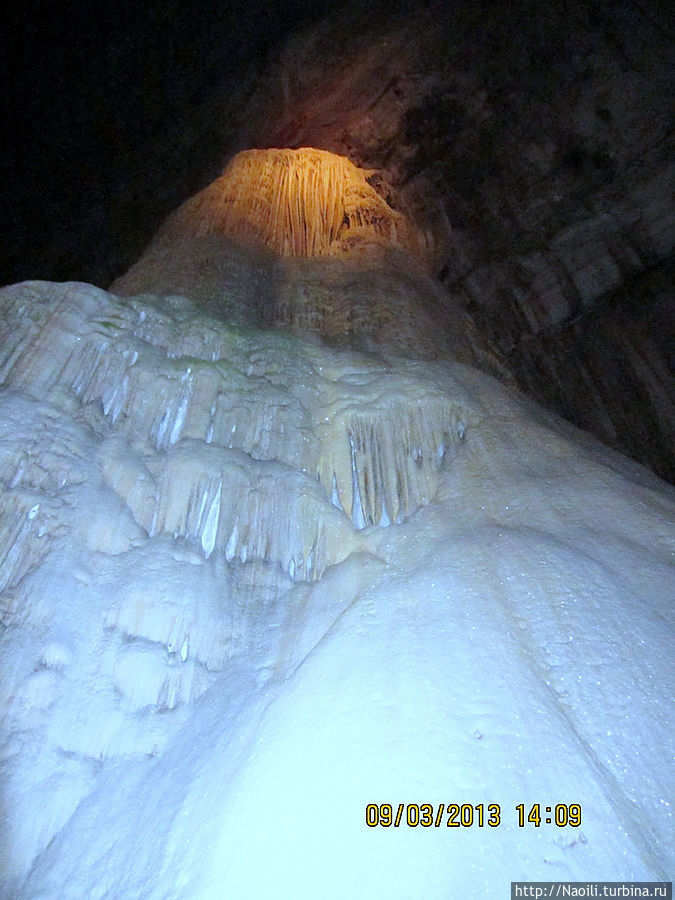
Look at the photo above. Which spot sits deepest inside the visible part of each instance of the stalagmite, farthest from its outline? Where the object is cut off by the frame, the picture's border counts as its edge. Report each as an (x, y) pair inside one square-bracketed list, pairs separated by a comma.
[(257, 586), (299, 239)]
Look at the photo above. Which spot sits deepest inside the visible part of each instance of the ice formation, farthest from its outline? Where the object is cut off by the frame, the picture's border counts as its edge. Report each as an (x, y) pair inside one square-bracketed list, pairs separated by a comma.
[(251, 583)]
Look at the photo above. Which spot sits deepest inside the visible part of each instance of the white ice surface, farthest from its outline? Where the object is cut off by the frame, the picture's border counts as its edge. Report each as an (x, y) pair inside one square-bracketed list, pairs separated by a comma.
[(209, 668)]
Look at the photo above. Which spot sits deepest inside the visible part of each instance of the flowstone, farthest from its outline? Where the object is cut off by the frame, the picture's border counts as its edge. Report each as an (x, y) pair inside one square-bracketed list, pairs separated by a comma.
[(252, 585)]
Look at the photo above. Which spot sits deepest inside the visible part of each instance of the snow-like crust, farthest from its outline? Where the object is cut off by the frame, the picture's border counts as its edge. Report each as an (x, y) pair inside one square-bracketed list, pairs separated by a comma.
[(250, 584)]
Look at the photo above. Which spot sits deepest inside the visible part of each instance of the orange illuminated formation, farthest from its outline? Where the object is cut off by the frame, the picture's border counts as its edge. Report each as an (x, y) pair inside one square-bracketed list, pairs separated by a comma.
[(301, 240), (302, 202)]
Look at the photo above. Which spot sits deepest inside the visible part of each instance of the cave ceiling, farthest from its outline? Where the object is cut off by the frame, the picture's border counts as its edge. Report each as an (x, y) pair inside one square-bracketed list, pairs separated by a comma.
[(531, 146)]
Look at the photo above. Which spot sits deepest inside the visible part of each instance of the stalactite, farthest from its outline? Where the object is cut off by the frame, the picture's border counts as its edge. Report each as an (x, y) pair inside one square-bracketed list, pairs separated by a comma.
[(304, 202), (235, 455)]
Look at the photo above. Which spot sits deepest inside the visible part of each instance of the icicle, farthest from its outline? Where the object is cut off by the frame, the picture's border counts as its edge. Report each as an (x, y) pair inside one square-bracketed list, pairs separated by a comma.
[(231, 548), (335, 497), (162, 428), (357, 507), (382, 465), (210, 529), (180, 419), (384, 518), (119, 399)]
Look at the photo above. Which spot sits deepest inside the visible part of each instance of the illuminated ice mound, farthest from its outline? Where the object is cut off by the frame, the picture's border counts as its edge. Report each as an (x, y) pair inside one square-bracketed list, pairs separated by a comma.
[(250, 585), (304, 202)]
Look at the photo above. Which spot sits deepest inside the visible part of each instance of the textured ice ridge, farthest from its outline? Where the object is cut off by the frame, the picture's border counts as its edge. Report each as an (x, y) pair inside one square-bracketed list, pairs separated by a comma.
[(212, 435)]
